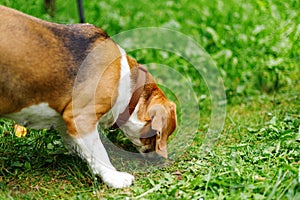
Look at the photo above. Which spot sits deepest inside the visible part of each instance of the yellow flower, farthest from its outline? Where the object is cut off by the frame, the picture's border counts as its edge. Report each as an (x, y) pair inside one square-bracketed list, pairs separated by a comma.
[(20, 131)]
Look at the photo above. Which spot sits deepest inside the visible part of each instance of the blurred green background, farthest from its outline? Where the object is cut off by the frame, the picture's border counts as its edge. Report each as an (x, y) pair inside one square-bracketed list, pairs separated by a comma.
[(254, 44)]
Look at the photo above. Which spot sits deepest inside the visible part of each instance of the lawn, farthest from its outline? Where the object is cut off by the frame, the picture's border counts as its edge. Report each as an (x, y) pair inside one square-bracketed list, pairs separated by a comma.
[(243, 147)]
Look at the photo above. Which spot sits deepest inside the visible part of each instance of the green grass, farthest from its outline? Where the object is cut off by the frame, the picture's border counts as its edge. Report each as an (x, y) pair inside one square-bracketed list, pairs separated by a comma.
[(255, 45)]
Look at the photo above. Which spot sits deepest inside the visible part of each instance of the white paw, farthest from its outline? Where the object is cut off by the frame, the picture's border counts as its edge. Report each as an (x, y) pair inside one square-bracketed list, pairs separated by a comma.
[(117, 179)]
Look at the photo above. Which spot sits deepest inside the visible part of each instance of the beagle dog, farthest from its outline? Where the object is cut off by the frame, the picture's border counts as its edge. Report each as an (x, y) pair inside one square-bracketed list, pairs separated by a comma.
[(75, 77)]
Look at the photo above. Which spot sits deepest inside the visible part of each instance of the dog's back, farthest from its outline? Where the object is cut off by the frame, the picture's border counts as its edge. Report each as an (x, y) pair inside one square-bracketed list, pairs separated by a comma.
[(37, 56)]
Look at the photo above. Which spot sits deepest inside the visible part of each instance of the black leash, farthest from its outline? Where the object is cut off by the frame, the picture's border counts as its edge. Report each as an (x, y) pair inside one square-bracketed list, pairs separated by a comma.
[(80, 11), (50, 8)]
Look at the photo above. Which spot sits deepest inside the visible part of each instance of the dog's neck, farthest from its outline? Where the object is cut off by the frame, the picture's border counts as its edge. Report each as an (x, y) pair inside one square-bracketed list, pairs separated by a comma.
[(138, 90)]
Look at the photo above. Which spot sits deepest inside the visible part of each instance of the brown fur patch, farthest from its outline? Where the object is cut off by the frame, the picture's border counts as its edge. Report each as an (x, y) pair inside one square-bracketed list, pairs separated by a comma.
[(40, 60)]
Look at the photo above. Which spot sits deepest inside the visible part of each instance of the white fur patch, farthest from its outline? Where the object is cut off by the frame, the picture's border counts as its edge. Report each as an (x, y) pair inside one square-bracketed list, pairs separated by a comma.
[(133, 127), (90, 147), (38, 117), (124, 93), (92, 150), (124, 89)]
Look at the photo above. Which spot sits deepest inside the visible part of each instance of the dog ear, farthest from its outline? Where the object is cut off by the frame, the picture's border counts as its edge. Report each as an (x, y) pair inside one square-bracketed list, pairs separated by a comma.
[(158, 116)]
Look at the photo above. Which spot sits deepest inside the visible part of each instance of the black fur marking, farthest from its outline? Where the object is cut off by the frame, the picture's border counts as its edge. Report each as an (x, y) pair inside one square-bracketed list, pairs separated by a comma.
[(78, 40)]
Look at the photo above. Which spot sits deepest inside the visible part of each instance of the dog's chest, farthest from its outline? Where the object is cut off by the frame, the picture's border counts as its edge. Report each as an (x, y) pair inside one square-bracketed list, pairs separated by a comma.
[(124, 93), (38, 117)]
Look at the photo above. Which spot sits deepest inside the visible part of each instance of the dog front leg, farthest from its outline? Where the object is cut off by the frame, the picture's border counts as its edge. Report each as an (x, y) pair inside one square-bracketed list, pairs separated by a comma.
[(93, 151)]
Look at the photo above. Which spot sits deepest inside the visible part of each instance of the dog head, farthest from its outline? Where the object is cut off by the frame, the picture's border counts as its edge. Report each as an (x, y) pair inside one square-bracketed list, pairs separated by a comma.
[(160, 124), (149, 118), (153, 120)]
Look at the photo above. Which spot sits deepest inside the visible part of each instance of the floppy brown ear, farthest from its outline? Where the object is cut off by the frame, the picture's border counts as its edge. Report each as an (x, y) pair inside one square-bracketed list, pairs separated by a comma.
[(158, 119)]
